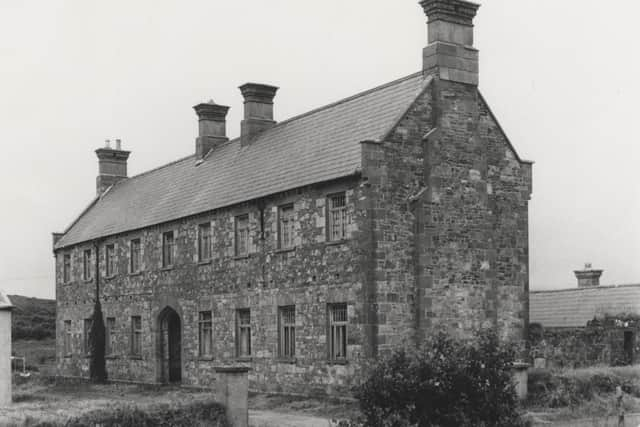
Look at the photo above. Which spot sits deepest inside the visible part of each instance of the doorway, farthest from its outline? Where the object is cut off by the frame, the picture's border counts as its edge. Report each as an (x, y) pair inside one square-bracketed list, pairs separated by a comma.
[(170, 346), (629, 343)]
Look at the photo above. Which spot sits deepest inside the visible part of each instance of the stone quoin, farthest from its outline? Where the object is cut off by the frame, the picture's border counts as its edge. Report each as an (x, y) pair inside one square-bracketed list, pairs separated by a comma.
[(306, 248)]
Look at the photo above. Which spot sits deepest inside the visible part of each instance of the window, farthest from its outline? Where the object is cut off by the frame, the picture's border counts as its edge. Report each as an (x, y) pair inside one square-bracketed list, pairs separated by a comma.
[(134, 260), (338, 217), (287, 332), (285, 227), (204, 242), (243, 332), (66, 268), (337, 339), (167, 249), (242, 235), (110, 254), (67, 337), (205, 340), (136, 336), (86, 265), (87, 331), (110, 343)]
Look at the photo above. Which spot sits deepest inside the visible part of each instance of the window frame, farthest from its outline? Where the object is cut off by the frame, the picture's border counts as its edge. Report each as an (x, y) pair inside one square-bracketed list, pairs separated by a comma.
[(168, 249), (86, 265), (289, 226), (205, 329), (110, 260), (136, 336), (236, 236), (343, 212), (138, 255), (240, 327), (287, 332), (67, 339), (66, 268), (337, 330), (205, 242), (86, 345), (110, 343)]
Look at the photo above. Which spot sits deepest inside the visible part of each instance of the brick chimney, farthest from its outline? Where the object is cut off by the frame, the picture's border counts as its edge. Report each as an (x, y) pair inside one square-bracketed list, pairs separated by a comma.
[(212, 127), (112, 166), (258, 110), (588, 278), (450, 54)]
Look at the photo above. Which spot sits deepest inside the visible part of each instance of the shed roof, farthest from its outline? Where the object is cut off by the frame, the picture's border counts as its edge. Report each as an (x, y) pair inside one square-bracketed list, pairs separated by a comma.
[(575, 307), (318, 146)]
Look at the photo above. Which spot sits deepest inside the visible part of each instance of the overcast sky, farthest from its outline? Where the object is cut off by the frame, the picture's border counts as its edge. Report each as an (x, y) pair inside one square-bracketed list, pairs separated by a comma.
[(561, 76)]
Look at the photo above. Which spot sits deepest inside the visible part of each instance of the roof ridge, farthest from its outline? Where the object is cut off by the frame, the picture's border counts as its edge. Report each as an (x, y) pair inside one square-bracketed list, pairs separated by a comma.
[(539, 291)]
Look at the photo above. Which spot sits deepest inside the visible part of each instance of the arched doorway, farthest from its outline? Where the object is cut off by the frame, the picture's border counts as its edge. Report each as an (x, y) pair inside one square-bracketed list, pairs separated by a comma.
[(170, 346)]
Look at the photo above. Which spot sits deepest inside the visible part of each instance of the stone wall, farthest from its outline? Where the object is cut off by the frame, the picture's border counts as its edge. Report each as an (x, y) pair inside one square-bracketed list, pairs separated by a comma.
[(599, 342)]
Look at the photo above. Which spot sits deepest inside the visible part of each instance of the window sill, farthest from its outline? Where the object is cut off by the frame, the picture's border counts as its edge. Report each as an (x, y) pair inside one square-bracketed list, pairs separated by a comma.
[(204, 262), (336, 242), (87, 280), (284, 250), (112, 357), (337, 362), (206, 358), (135, 357), (287, 360), (135, 273), (167, 268), (67, 356), (113, 276), (239, 257), (244, 359)]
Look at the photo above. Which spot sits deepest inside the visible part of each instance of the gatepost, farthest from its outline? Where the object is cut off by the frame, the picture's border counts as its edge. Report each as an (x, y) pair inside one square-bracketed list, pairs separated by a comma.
[(5, 350), (232, 390), (519, 372)]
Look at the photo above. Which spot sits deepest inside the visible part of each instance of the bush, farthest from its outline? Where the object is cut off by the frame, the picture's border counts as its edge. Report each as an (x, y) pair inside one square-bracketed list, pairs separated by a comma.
[(446, 383)]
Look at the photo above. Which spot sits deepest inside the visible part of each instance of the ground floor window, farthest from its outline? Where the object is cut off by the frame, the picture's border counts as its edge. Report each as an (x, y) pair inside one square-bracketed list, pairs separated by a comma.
[(136, 336), (337, 331), (243, 332), (110, 343), (205, 333), (287, 331), (67, 337), (87, 331)]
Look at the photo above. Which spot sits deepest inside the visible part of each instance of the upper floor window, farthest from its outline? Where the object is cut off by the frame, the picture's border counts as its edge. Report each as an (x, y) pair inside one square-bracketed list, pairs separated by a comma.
[(243, 332), (337, 331), (110, 342), (168, 244), (66, 268), (135, 256), (136, 335), (86, 265), (285, 227), (110, 254), (204, 242), (242, 235), (67, 337), (287, 331), (205, 333), (337, 217)]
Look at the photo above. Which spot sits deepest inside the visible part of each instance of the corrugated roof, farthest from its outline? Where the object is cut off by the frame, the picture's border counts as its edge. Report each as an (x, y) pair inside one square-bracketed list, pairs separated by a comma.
[(318, 146), (575, 307)]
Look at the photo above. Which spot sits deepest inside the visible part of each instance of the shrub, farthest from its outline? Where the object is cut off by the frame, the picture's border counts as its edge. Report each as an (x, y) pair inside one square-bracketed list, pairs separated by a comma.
[(446, 383)]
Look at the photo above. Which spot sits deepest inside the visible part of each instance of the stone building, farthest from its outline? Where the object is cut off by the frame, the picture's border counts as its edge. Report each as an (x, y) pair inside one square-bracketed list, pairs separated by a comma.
[(586, 326), (307, 247)]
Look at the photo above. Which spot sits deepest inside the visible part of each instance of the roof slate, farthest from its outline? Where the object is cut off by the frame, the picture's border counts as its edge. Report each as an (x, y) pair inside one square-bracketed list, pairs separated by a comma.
[(318, 146), (575, 307)]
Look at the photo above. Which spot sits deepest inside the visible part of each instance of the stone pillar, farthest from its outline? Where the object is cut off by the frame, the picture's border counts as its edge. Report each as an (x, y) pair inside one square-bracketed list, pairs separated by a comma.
[(5, 350), (232, 390), (520, 378)]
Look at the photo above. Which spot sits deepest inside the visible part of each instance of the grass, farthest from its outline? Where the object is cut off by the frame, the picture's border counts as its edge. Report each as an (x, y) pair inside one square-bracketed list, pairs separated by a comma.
[(39, 354)]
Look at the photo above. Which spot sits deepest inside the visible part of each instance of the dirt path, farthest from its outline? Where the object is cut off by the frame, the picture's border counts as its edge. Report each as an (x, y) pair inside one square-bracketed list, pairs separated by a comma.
[(277, 419)]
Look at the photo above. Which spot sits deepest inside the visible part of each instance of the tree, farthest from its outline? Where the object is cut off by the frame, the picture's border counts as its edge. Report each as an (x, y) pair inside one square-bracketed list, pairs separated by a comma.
[(97, 334)]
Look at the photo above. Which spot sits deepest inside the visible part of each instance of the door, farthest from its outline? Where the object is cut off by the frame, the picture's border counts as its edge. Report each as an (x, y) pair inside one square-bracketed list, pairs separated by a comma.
[(170, 346)]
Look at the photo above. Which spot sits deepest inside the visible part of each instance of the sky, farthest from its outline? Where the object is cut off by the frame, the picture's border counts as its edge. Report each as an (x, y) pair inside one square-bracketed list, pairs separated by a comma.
[(563, 78)]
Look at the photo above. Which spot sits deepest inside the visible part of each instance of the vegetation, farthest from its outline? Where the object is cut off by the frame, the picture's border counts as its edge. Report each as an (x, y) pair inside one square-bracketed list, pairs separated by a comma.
[(33, 318), (446, 383)]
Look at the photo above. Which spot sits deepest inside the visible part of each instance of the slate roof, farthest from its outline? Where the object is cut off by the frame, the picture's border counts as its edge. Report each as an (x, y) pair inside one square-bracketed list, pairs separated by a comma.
[(318, 146), (575, 307)]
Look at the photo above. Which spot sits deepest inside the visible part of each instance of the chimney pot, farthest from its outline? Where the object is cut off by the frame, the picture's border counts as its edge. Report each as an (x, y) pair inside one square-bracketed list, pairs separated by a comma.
[(258, 110), (212, 127), (118, 144)]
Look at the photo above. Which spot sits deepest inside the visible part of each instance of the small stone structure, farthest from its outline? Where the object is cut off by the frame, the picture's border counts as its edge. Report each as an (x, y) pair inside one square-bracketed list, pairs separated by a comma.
[(232, 391), (5, 349), (519, 371)]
